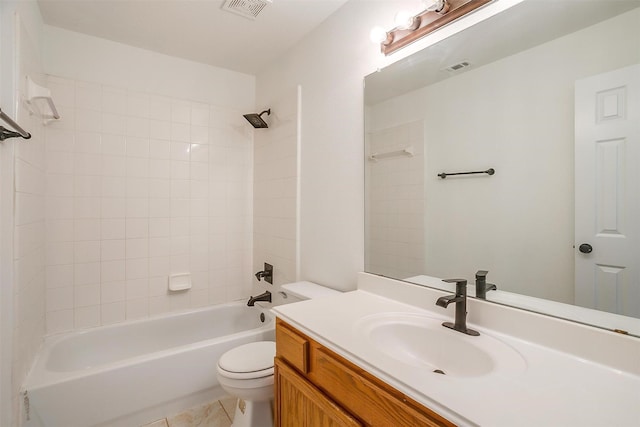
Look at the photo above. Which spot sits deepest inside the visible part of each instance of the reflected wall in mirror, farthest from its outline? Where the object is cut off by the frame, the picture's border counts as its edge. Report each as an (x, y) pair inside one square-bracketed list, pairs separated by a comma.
[(548, 94)]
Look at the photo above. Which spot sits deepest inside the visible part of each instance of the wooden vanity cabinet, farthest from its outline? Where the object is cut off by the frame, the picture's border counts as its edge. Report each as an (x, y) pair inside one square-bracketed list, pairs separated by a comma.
[(316, 387)]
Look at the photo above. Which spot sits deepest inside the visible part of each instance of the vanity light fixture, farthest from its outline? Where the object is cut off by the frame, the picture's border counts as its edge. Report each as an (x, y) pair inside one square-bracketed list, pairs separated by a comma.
[(437, 14)]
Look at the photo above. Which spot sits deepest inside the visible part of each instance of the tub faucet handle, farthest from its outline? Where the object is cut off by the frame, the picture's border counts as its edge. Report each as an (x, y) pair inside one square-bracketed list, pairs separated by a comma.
[(266, 274)]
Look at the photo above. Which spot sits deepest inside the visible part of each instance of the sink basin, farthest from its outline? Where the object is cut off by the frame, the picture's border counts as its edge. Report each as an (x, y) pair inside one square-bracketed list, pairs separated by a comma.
[(421, 341)]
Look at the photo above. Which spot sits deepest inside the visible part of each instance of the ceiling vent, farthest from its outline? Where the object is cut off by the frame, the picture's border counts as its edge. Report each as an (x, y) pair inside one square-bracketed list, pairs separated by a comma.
[(457, 67), (247, 8)]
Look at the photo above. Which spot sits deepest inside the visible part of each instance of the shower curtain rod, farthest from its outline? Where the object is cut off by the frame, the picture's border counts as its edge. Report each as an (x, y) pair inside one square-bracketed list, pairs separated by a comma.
[(6, 133)]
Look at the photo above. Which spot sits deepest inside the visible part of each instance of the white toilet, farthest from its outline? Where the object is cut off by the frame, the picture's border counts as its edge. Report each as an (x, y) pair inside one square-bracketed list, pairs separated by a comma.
[(246, 371)]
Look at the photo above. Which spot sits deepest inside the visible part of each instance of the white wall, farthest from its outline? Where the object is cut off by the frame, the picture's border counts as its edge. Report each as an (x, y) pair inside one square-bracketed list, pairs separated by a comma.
[(146, 178), (330, 65), (92, 59), (22, 214), (475, 224)]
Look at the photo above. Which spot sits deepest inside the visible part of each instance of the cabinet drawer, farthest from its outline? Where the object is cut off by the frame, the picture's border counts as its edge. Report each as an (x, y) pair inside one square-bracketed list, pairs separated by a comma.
[(377, 404), (304, 404), (292, 347)]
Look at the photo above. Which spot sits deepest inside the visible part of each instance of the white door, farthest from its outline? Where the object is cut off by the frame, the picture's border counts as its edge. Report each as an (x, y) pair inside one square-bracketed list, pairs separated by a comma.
[(607, 184)]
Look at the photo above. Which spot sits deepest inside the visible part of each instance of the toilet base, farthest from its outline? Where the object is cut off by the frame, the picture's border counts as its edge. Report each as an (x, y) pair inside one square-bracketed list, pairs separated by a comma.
[(253, 414)]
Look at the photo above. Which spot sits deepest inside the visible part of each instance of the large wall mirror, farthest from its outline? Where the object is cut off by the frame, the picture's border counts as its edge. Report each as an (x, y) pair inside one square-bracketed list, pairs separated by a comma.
[(547, 94)]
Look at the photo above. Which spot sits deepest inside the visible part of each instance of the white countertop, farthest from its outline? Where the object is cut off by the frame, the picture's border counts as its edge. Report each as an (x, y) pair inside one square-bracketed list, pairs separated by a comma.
[(552, 389)]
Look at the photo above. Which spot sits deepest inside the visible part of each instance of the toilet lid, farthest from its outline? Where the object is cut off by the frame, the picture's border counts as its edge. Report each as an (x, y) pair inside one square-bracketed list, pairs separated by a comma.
[(252, 357)]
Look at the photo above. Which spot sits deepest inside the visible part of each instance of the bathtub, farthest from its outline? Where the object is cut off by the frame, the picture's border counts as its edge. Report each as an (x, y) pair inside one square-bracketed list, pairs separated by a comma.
[(135, 372)]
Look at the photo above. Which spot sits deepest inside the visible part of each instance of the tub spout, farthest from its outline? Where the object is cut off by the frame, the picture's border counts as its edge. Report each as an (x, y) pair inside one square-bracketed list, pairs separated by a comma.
[(262, 297)]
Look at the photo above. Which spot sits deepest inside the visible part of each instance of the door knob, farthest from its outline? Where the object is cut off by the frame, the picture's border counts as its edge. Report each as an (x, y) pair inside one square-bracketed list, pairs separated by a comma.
[(585, 248)]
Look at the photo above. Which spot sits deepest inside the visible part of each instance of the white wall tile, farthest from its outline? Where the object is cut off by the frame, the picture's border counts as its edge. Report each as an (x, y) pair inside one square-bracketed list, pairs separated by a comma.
[(137, 127), (86, 273), (114, 124), (137, 268), (87, 251), (137, 228), (159, 266), (114, 100), (160, 188), (88, 120), (59, 321), (113, 312), (60, 162), (113, 271), (159, 207), (59, 276), (180, 132), (88, 95), (113, 144), (137, 308), (159, 227), (113, 207), (113, 228), (113, 186), (59, 253), (159, 149), (159, 108), (113, 292), (86, 229), (86, 295), (137, 147), (60, 298), (88, 142), (129, 200), (88, 186), (200, 114), (86, 317), (159, 130), (180, 151), (138, 105), (180, 112)]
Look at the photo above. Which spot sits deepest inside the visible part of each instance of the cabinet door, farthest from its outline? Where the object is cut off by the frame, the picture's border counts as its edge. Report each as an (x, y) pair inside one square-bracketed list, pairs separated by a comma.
[(300, 404)]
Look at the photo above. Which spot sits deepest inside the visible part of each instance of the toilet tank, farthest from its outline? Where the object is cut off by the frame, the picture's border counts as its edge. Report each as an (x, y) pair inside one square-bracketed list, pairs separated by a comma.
[(300, 291)]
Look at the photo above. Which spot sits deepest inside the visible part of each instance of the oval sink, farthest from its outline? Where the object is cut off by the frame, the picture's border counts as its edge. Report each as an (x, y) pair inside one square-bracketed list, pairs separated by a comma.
[(423, 342)]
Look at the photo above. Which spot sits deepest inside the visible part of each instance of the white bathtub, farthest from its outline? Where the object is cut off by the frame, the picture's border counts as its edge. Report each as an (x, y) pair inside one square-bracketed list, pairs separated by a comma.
[(131, 373)]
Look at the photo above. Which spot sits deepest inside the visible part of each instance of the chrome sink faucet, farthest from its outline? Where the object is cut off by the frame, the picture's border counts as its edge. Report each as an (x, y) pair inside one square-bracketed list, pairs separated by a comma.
[(460, 298)]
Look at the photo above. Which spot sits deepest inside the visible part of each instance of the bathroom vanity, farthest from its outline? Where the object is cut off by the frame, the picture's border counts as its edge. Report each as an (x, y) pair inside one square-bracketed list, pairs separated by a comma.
[(379, 356), (315, 386)]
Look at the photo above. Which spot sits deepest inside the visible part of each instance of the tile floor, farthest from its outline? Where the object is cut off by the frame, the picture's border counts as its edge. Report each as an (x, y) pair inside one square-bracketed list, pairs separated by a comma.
[(214, 414)]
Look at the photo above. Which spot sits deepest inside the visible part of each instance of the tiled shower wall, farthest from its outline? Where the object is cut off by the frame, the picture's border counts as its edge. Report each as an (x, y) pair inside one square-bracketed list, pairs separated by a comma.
[(395, 202), (275, 191), (140, 187)]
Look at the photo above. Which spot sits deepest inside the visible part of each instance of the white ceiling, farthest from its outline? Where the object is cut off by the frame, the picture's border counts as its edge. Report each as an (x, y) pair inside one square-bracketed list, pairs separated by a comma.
[(198, 30)]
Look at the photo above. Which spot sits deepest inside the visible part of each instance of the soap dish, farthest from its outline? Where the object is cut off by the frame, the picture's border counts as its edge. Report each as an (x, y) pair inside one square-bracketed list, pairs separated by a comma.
[(179, 282)]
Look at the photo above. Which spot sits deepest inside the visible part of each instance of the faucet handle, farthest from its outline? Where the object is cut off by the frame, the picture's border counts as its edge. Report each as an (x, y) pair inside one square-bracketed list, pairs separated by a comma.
[(481, 274), (461, 285)]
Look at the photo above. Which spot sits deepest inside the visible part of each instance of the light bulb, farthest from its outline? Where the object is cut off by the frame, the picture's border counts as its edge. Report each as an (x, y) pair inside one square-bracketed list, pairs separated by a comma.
[(378, 35), (438, 6), (404, 19)]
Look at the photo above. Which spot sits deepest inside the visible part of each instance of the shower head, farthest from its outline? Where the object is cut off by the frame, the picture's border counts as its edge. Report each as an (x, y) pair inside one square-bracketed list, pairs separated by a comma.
[(257, 121)]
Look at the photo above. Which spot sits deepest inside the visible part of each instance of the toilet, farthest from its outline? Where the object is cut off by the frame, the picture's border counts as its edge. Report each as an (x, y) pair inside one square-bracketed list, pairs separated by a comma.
[(246, 371)]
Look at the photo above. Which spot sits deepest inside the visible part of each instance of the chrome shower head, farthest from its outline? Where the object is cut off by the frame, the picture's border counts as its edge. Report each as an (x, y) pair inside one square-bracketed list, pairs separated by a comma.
[(256, 120)]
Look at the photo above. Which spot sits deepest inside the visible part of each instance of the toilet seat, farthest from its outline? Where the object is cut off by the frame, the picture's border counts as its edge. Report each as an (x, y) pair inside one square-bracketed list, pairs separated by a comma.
[(248, 361)]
